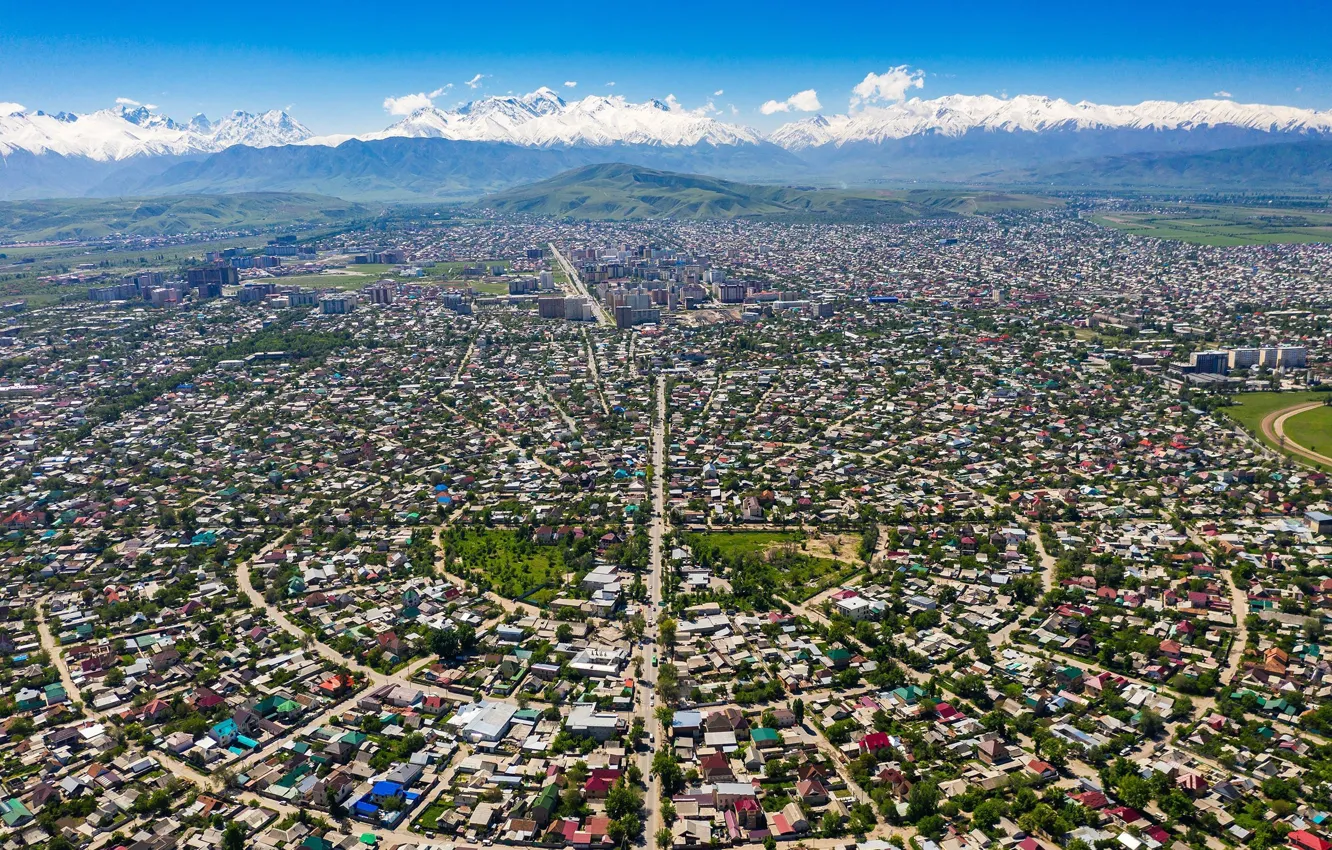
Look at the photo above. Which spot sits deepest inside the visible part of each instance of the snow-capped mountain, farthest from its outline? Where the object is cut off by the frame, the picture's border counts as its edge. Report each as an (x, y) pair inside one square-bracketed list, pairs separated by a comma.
[(544, 119), (126, 131), (956, 115)]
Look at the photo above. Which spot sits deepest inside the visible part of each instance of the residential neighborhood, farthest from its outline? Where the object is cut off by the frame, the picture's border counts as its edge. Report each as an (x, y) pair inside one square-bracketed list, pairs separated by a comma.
[(952, 534)]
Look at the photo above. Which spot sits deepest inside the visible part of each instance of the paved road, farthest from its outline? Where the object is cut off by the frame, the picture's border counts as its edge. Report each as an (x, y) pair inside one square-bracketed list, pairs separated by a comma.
[(577, 283), (656, 538)]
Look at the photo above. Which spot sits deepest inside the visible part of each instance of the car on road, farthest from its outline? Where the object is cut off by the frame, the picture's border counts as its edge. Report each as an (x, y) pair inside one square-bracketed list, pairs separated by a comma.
[(654, 659)]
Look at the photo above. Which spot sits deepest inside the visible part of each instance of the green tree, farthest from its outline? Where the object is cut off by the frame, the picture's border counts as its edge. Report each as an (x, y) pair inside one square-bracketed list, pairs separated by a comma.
[(234, 837), (622, 800), (667, 630), (922, 801)]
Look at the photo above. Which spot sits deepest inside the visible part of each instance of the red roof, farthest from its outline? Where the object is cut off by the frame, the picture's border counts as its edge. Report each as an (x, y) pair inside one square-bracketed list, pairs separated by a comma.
[(1306, 839)]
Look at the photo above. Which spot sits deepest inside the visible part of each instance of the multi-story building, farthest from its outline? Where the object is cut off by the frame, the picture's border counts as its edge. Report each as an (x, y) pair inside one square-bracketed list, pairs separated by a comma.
[(208, 282), (336, 305), (381, 292), (1210, 362)]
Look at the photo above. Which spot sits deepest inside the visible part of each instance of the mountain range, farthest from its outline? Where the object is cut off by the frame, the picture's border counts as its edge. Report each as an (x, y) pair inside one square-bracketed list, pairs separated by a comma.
[(495, 142), (130, 131)]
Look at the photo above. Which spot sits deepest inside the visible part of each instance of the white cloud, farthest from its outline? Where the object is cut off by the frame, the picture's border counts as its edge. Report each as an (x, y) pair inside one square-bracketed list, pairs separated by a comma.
[(610, 85), (475, 82), (569, 84), (150, 106), (718, 93), (673, 104), (125, 101), (1222, 93), (407, 104), (801, 101), (7, 108), (888, 87)]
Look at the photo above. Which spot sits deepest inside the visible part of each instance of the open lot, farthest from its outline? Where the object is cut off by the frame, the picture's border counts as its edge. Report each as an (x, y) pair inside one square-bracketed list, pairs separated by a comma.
[(1221, 225), (511, 565), (800, 565), (1312, 429)]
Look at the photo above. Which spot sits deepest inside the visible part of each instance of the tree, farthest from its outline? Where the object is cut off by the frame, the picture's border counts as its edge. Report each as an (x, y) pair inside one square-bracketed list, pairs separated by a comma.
[(234, 837), (623, 829), (1134, 791), (622, 800), (446, 643), (1150, 723), (635, 627), (931, 826), (663, 838), (832, 824), (664, 714), (563, 632), (798, 709), (922, 801), (667, 630), (666, 767), (668, 678)]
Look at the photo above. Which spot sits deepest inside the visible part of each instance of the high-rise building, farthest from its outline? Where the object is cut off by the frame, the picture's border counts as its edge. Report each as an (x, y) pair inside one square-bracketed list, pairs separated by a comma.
[(381, 292), (730, 293), (336, 305), (1243, 358), (551, 307), (1292, 357), (1210, 362), (210, 280)]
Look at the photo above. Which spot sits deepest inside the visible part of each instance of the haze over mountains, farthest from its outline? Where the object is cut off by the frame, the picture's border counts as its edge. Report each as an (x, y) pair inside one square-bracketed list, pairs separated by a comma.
[(495, 142)]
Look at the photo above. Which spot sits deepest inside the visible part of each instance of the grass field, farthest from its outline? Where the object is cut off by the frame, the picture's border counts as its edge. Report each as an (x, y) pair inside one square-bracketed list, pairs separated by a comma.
[(512, 566), (1222, 225), (1251, 408), (807, 565), (1312, 429)]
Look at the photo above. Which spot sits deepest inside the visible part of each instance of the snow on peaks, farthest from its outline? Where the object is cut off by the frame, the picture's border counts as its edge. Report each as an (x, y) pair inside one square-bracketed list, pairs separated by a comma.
[(954, 115), (544, 119), (128, 130)]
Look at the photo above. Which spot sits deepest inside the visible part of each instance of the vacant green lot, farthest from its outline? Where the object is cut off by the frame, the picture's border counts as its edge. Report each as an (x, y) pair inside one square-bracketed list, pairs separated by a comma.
[(796, 566), (1251, 408), (1312, 429), (1214, 224), (511, 565)]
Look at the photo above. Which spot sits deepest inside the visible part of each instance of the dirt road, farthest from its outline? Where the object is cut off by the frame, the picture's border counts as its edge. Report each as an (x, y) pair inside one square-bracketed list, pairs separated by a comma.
[(1274, 428)]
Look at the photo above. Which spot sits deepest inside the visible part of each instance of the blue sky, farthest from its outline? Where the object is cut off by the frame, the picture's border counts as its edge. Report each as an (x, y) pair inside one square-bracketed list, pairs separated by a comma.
[(335, 63)]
